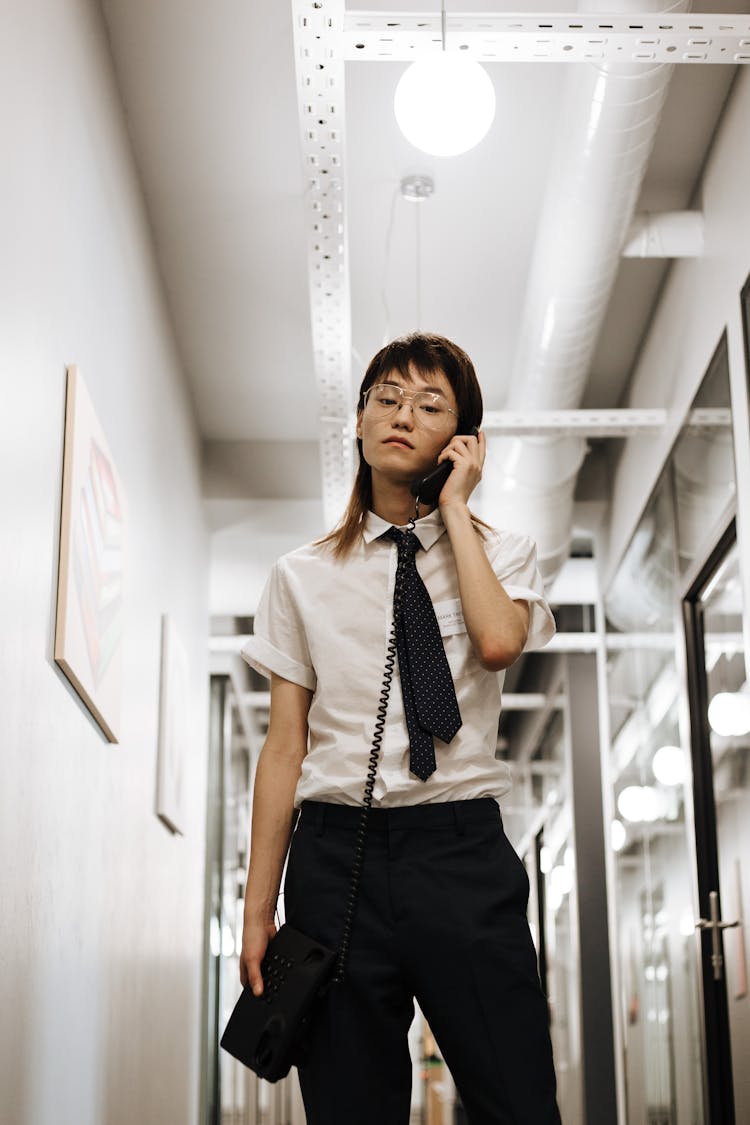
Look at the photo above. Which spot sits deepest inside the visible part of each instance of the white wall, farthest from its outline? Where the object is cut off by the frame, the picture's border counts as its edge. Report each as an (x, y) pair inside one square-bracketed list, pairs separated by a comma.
[(700, 300), (100, 907), (247, 537)]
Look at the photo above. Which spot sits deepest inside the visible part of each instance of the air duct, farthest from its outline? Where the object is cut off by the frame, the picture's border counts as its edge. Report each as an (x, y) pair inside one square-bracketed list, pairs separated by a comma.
[(609, 117), (665, 234)]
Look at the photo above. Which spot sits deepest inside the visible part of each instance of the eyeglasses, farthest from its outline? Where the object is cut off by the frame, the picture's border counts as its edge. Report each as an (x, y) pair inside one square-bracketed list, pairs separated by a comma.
[(429, 408)]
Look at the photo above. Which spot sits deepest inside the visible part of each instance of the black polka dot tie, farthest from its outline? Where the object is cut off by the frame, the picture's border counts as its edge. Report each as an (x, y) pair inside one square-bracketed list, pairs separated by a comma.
[(430, 703)]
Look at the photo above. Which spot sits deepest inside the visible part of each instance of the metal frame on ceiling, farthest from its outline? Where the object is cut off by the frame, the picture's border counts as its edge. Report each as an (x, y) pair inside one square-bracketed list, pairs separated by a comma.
[(325, 38), (319, 64), (598, 423), (673, 37)]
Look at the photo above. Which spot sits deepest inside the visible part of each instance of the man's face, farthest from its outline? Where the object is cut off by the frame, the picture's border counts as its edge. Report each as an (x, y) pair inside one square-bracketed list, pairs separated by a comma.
[(406, 442)]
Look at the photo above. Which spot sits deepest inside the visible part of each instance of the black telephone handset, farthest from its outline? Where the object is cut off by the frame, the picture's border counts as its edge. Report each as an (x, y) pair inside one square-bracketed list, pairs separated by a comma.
[(427, 489)]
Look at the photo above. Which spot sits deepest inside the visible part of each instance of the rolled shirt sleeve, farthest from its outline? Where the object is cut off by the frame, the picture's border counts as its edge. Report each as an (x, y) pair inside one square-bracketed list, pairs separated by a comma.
[(514, 561), (279, 642)]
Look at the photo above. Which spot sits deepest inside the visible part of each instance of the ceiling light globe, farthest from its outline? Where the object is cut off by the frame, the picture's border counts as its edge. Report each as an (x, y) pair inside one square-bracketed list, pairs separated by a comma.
[(670, 765), (618, 835), (561, 880), (729, 713), (444, 104), (639, 803)]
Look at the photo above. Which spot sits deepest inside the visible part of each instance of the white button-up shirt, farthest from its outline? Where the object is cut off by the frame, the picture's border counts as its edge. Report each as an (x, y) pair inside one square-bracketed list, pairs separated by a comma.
[(326, 624)]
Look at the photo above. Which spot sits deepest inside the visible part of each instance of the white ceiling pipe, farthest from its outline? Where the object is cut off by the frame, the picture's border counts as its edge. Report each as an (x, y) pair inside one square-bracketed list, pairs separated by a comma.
[(609, 118), (665, 234), (704, 484), (535, 476)]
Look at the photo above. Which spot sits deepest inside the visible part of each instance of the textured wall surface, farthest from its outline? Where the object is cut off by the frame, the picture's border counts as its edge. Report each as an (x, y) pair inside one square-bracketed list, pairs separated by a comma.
[(101, 908)]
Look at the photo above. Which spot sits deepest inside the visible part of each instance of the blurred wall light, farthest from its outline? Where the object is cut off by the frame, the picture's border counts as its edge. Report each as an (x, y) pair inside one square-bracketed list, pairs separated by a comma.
[(561, 880), (227, 942), (729, 713), (618, 835), (546, 859), (687, 923), (670, 765), (638, 803)]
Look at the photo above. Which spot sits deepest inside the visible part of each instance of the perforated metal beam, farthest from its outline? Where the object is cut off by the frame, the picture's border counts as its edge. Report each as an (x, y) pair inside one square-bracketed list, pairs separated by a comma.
[(584, 423), (319, 65), (597, 423), (551, 37)]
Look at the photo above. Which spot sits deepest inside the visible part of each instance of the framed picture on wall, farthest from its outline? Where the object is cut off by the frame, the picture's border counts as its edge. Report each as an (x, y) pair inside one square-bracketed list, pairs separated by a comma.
[(745, 304), (173, 728), (89, 621)]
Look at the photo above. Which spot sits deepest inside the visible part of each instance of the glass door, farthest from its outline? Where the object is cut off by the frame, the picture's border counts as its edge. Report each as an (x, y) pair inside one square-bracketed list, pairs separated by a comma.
[(651, 833), (719, 701)]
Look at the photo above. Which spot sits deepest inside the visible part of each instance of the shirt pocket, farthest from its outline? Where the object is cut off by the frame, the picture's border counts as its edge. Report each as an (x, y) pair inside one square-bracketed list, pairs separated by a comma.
[(456, 641)]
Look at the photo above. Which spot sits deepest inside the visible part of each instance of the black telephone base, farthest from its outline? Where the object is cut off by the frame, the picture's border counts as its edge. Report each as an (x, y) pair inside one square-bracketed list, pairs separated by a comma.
[(263, 1032)]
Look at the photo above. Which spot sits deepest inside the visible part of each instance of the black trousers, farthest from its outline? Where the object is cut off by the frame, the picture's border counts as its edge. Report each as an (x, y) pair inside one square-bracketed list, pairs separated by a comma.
[(441, 916)]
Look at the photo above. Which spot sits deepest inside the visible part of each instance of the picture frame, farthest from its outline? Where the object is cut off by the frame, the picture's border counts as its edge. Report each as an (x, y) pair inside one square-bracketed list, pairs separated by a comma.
[(173, 728), (745, 318), (89, 622)]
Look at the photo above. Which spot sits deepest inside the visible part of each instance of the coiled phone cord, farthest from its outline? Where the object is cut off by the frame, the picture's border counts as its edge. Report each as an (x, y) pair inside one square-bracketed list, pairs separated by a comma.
[(372, 769)]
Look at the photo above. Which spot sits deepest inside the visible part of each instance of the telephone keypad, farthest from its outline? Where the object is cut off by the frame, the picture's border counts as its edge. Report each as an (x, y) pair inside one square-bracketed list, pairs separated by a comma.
[(274, 970)]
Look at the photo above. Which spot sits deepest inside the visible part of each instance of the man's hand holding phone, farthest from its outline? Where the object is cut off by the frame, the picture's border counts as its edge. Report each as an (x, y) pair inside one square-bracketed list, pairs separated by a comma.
[(464, 450)]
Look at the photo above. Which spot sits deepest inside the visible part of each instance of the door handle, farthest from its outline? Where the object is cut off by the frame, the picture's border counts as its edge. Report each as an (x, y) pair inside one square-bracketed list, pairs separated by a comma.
[(715, 925)]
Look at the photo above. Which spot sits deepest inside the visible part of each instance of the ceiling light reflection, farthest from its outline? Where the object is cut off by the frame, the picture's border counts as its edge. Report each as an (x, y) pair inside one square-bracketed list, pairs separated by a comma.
[(618, 835), (670, 765), (729, 713), (638, 803)]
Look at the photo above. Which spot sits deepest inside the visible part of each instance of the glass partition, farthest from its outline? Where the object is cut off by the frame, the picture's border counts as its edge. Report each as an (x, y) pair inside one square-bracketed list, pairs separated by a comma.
[(563, 965), (650, 767), (538, 821), (232, 1094), (702, 462), (728, 699), (649, 774)]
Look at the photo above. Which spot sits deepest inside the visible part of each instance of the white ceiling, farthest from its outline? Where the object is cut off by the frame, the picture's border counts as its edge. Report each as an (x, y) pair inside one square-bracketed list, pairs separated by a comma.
[(209, 93)]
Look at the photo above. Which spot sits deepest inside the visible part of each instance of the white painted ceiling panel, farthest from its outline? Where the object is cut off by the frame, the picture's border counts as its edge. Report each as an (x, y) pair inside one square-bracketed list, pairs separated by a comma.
[(210, 95)]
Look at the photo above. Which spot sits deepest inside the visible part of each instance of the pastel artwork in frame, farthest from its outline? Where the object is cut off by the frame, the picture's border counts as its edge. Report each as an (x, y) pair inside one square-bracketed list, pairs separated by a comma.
[(89, 623)]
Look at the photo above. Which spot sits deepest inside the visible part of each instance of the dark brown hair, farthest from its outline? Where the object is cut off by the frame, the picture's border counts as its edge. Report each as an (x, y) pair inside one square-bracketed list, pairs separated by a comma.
[(425, 354)]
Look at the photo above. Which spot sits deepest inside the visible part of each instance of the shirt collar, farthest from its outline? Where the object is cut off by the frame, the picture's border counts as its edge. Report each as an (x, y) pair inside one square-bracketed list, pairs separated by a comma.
[(427, 530)]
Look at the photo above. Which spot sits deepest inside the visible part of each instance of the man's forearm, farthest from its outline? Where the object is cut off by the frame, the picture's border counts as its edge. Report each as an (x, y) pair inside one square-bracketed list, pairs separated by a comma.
[(273, 816), (495, 625)]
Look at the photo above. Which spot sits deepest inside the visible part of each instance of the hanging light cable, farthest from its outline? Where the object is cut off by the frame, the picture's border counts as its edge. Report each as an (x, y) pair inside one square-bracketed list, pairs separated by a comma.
[(418, 215), (444, 103), (416, 189)]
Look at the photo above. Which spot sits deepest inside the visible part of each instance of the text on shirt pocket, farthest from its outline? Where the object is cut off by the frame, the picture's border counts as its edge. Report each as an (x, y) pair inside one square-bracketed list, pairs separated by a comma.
[(458, 650)]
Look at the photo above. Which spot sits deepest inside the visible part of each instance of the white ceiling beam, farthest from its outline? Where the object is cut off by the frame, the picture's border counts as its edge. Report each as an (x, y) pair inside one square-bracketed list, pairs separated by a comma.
[(602, 423), (561, 642), (597, 423), (529, 701), (685, 37), (512, 701)]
